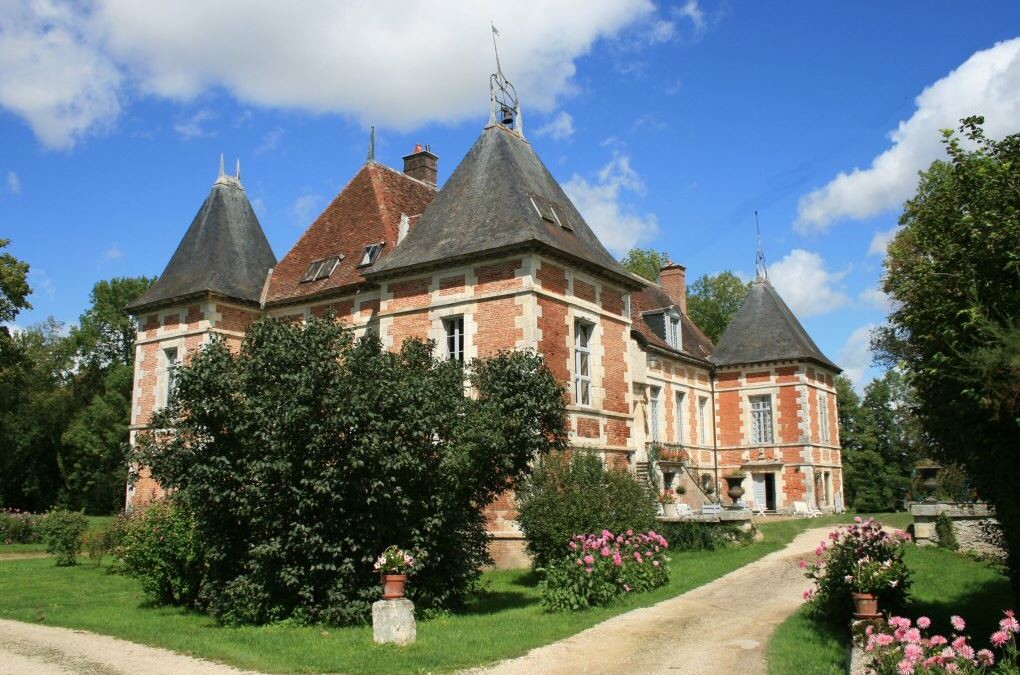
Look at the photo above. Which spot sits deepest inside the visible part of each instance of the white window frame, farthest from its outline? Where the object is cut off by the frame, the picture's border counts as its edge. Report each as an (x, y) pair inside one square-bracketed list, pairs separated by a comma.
[(453, 328), (680, 401), (673, 331), (823, 417), (654, 412), (703, 419), (583, 366), (762, 419), (171, 361)]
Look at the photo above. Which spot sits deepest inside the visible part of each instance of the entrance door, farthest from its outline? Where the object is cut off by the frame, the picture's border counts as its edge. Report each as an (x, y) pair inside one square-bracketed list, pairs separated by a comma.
[(759, 489), (770, 492)]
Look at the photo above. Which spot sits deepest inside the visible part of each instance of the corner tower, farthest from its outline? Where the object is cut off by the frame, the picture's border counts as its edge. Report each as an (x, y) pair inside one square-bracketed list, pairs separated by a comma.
[(213, 284)]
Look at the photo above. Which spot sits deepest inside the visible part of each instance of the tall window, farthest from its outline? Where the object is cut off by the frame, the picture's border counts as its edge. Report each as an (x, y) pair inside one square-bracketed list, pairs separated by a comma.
[(823, 419), (703, 418), (582, 362), (673, 331), (654, 394), (172, 363), (454, 338), (681, 419), (761, 419)]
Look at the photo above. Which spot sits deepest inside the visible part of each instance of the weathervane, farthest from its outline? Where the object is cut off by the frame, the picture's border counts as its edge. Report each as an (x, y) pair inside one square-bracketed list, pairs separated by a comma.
[(761, 270), (505, 107), (371, 145)]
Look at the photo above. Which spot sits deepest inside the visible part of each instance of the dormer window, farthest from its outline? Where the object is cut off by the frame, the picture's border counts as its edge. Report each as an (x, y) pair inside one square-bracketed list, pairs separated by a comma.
[(550, 212), (371, 254), (673, 332), (321, 269)]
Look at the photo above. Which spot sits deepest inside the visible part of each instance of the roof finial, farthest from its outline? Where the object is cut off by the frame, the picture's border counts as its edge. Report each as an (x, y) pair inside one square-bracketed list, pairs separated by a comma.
[(371, 145), (222, 171), (505, 107), (238, 173), (761, 270)]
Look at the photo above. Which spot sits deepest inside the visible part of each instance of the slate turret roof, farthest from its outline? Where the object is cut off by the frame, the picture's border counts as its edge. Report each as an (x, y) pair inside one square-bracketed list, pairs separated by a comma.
[(367, 211), (224, 252), (486, 207), (764, 329)]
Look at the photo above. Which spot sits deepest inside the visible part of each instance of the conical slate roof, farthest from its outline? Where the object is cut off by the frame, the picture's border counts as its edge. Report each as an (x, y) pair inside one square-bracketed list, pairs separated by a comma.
[(224, 252), (487, 206), (764, 329)]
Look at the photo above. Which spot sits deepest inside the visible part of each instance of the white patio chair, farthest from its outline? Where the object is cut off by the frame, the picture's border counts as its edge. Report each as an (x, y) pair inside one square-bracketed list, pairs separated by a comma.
[(711, 509), (801, 509), (756, 508), (813, 511), (684, 511), (660, 510)]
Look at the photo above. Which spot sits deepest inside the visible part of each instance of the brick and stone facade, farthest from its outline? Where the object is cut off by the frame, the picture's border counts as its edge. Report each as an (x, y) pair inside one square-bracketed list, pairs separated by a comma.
[(510, 260)]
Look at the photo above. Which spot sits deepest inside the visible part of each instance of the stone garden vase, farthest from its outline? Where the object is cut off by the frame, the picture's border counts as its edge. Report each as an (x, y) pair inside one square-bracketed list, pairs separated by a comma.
[(736, 491), (393, 586), (865, 606)]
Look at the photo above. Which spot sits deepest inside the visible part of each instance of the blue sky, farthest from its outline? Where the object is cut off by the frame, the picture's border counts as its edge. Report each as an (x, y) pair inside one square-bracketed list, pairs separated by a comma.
[(668, 123)]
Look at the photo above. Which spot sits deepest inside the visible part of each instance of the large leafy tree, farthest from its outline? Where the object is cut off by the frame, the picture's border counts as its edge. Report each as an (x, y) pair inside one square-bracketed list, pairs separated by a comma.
[(14, 292), (307, 453), (645, 262), (954, 273), (713, 300)]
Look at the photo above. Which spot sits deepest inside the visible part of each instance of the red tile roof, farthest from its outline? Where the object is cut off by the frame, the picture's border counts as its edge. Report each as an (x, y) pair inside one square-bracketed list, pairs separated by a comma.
[(367, 211)]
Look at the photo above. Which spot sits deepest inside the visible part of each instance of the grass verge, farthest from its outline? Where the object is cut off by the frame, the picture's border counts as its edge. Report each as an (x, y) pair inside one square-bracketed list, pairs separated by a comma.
[(504, 621), (945, 583)]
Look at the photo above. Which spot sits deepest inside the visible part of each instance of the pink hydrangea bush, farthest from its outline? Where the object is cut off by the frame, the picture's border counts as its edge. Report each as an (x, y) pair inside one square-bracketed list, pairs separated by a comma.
[(599, 568), (901, 648), (857, 558)]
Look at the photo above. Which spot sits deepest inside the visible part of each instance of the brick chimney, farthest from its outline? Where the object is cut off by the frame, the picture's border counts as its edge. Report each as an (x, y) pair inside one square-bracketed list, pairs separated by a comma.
[(423, 165), (673, 279)]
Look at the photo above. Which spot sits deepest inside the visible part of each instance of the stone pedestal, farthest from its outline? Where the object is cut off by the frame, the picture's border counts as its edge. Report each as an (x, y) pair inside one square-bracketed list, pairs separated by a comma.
[(393, 622)]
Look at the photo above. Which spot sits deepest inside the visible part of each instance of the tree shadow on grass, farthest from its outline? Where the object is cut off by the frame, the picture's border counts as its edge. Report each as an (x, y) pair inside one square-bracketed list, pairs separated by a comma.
[(529, 579), (492, 602), (980, 604)]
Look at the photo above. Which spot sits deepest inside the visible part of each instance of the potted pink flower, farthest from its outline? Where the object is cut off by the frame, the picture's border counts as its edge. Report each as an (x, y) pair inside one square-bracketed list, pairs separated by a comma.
[(393, 565), (869, 578)]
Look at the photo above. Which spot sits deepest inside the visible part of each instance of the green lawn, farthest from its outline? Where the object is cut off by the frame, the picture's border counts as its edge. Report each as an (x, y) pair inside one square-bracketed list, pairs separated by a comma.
[(505, 621), (945, 583)]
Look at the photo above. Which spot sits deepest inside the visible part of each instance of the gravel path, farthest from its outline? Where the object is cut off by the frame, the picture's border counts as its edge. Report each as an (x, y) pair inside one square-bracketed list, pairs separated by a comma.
[(30, 649), (721, 627)]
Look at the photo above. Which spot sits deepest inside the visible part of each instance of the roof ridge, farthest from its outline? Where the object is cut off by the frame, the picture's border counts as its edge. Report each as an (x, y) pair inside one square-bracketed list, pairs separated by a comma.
[(398, 172)]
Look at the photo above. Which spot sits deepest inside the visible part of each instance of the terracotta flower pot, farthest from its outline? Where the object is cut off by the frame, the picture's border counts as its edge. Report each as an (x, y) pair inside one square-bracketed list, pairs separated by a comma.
[(393, 586), (865, 605)]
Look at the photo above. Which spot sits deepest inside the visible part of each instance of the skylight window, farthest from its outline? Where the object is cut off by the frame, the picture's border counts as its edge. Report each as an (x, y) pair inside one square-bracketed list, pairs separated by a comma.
[(321, 269), (550, 212), (371, 253)]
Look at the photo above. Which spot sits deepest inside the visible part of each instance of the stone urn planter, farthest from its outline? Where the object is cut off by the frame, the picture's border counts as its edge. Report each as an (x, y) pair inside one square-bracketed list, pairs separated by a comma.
[(736, 490), (930, 479), (865, 606), (393, 586)]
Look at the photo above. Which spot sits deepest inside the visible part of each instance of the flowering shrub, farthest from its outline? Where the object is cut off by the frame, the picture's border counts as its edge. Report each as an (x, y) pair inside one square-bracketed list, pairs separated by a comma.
[(600, 568), (903, 649), (63, 532), (858, 558), (394, 561), (159, 548), (20, 527)]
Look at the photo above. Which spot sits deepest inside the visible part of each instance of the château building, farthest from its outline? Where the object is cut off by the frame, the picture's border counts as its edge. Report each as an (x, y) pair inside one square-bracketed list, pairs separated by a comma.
[(499, 258)]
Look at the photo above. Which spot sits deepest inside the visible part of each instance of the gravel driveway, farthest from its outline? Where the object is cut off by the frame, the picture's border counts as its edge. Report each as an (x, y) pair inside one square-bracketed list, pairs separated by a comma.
[(721, 627)]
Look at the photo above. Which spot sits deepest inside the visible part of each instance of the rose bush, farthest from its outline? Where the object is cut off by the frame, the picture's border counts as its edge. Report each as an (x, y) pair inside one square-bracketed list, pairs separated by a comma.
[(20, 527), (863, 548), (901, 648), (597, 569)]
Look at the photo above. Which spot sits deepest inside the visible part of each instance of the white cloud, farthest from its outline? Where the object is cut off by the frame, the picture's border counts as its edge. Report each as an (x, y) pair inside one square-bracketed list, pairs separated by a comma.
[(806, 285), (855, 356), (192, 126), (306, 207), (559, 127), (13, 183), (66, 66), (616, 225), (51, 73), (988, 83), (39, 279), (269, 141), (661, 31), (880, 242), (112, 253), (693, 11), (875, 298)]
